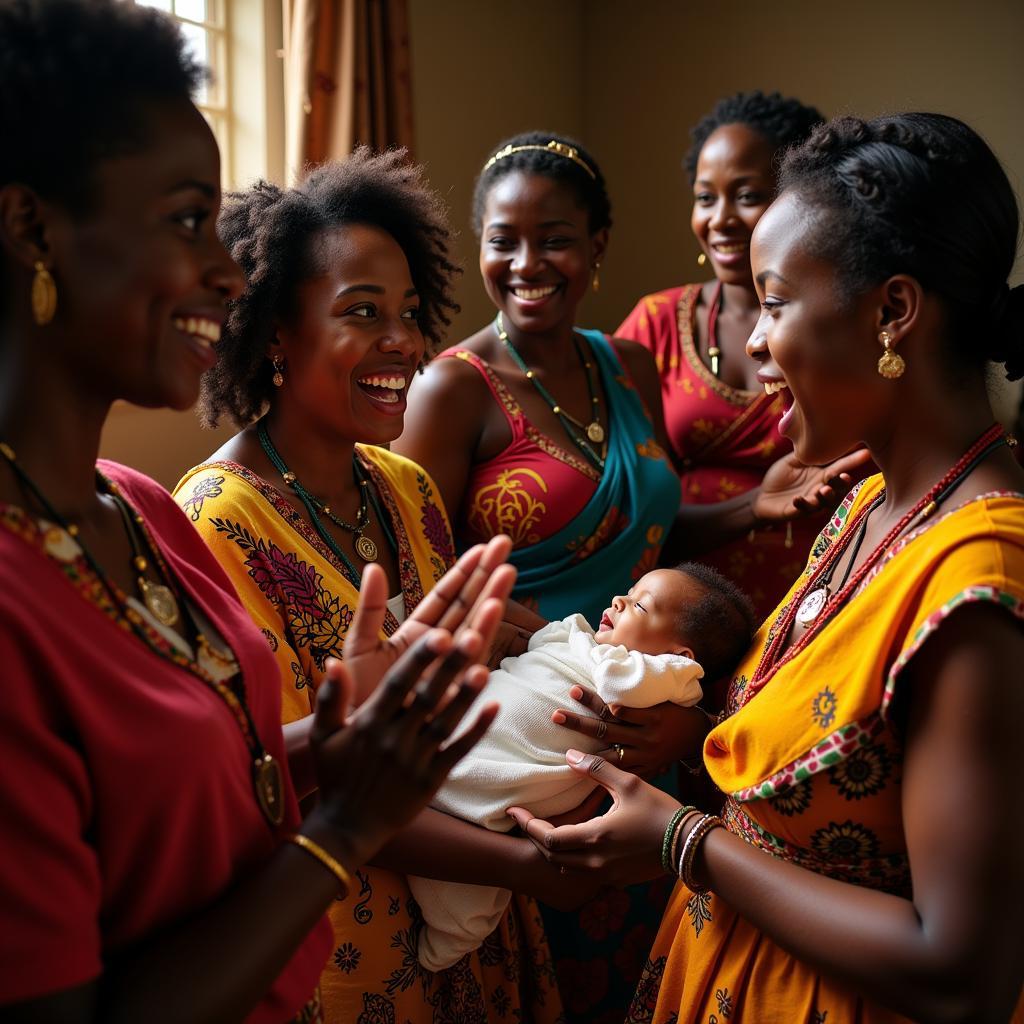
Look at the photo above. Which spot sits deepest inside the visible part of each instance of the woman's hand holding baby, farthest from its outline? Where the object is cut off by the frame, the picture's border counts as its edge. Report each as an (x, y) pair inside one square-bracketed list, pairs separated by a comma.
[(649, 738)]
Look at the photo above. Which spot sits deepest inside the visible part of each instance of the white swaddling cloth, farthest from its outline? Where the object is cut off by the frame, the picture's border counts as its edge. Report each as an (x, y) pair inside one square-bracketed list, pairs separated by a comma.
[(521, 760)]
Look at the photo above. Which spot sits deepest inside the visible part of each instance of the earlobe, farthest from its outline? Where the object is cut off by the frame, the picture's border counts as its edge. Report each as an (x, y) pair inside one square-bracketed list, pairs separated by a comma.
[(22, 226)]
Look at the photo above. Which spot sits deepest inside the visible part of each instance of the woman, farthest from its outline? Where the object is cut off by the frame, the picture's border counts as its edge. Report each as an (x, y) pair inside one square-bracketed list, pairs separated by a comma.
[(154, 866), (723, 428), (349, 281), (867, 870), (554, 435)]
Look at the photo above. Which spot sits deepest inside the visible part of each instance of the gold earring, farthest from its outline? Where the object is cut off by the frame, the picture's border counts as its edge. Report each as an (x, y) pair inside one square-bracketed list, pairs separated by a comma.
[(701, 260), (278, 378), (890, 364), (596, 283), (44, 295)]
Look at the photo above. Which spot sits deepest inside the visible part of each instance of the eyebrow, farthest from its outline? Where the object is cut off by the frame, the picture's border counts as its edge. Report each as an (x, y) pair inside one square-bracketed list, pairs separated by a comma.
[(375, 289), (762, 278), (210, 191), (544, 224), (736, 181)]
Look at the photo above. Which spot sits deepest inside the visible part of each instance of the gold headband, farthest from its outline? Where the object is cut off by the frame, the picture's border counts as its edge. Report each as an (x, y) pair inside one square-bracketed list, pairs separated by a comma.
[(569, 152)]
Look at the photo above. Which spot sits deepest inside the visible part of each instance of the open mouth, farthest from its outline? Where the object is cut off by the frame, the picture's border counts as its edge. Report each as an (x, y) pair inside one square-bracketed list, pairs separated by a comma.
[(534, 294), (201, 329), (729, 248), (773, 387), (386, 389)]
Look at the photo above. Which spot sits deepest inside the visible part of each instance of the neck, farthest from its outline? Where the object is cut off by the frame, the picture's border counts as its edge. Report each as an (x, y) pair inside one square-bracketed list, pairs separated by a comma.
[(741, 302), (54, 427), (321, 461), (553, 349), (926, 443)]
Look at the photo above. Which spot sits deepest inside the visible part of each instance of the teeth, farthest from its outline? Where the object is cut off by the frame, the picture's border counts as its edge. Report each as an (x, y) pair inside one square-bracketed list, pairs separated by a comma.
[(773, 387), (206, 331), (392, 383), (730, 249), (534, 293)]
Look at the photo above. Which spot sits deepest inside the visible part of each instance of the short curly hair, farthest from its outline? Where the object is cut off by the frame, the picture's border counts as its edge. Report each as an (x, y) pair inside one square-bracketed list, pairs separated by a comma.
[(590, 191), (268, 231), (918, 194), (720, 625), (782, 121), (74, 78)]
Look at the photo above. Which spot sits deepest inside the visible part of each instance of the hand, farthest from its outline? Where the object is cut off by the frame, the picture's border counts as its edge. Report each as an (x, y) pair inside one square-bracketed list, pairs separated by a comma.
[(477, 576), (379, 768), (623, 845), (790, 489), (510, 641), (650, 738)]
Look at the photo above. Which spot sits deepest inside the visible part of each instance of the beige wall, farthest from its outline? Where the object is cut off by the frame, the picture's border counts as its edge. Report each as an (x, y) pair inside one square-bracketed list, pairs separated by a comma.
[(628, 79)]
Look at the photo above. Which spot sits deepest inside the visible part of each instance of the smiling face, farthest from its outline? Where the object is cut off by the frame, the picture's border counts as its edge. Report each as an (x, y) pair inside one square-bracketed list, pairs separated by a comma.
[(814, 340), (142, 277), (733, 187), (647, 618), (354, 342), (536, 251)]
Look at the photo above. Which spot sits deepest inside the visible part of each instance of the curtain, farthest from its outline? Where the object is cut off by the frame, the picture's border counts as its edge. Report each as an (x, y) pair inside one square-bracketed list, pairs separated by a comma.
[(347, 78)]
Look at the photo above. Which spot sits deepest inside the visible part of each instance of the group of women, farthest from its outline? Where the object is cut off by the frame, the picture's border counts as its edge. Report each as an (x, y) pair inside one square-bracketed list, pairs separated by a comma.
[(171, 852)]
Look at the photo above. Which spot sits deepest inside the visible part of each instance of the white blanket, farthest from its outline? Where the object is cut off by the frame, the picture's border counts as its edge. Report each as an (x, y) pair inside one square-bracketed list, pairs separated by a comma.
[(521, 759)]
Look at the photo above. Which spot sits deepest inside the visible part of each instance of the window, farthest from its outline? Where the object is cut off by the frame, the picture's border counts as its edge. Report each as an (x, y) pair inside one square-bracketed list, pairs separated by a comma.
[(205, 27)]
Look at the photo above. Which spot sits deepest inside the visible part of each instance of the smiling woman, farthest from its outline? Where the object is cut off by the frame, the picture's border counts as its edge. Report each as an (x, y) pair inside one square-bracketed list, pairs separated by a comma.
[(348, 287)]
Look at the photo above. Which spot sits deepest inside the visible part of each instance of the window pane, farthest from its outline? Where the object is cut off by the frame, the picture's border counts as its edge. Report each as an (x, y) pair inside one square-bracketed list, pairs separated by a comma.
[(197, 44), (195, 10)]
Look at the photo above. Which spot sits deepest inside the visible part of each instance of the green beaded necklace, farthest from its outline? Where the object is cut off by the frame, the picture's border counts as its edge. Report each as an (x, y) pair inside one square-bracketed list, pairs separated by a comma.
[(580, 435), (365, 547)]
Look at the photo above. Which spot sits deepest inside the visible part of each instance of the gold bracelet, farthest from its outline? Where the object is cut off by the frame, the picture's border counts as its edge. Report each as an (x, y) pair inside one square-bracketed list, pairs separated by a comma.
[(314, 849), (689, 852)]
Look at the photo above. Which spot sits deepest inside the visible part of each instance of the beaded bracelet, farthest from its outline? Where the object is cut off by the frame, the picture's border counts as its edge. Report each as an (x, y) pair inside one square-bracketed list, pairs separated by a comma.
[(335, 867), (668, 843), (689, 851)]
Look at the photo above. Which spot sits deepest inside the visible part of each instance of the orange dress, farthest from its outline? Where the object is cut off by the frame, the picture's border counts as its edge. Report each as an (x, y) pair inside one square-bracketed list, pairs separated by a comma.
[(810, 763), (722, 440)]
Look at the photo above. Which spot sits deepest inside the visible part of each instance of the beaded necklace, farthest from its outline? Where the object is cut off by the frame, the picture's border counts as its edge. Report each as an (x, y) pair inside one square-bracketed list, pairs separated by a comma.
[(217, 670), (579, 434), (771, 661), (364, 546)]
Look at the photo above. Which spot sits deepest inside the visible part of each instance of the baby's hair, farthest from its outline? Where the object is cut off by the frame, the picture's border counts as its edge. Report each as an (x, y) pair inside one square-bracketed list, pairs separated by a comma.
[(723, 621)]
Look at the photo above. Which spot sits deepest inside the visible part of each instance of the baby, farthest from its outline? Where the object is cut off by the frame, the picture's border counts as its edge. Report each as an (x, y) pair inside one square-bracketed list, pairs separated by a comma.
[(648, 648)]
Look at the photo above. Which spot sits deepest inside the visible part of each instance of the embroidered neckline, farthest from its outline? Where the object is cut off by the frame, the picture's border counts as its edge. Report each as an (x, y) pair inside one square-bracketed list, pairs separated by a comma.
[(686, 312)]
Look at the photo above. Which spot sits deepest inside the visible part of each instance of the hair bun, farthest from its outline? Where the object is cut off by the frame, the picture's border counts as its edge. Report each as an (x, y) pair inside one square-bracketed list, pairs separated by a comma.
[(1007, 326)]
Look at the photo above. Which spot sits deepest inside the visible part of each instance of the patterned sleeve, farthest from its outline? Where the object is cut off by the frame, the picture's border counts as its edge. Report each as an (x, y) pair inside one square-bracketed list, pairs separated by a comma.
[(254, 564), (982, 570), (637, 325)]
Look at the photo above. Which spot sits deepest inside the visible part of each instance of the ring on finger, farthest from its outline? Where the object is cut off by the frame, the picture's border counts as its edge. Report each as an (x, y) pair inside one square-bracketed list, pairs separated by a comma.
[(603, 713), (602, 728), (619, 750)]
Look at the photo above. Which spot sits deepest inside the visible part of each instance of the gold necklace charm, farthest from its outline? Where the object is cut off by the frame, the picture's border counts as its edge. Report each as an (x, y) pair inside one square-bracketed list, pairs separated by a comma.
[(269, 786), (595, 432), (365, 548), (160, 601)]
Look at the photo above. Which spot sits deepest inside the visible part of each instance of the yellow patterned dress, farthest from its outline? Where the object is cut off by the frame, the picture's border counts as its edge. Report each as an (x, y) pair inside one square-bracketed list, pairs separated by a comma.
[(298, 594), (811, 766)]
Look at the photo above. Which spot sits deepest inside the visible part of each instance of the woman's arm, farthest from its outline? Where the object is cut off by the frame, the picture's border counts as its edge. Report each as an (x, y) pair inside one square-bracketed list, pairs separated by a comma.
[(789, 490), (955, 950), (376, 771)]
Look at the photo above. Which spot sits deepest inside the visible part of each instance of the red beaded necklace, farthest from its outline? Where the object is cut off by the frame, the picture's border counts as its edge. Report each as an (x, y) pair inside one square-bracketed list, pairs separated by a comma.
[(770, 661)]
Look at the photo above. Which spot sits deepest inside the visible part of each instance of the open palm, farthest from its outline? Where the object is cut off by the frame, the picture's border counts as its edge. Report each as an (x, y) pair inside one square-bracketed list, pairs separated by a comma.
[(790, 489)]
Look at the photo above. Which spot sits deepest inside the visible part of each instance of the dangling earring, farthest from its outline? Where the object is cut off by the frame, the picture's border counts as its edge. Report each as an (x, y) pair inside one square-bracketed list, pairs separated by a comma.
[(596, 283), (890, 363), (278, 378), (44, 295), (701, 260)]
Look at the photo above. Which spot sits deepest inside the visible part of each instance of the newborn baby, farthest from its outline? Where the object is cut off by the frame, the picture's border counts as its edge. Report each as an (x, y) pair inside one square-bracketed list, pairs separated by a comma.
[(646, 650)]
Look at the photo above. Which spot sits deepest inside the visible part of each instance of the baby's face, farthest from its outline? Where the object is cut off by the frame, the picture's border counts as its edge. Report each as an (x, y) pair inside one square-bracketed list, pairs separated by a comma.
[(646, 619)]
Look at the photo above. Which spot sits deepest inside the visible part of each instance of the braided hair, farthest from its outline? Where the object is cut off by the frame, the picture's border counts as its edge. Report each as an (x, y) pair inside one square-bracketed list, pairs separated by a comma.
[(782, 121), (268, 230), (919, 194), (591, 192)]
